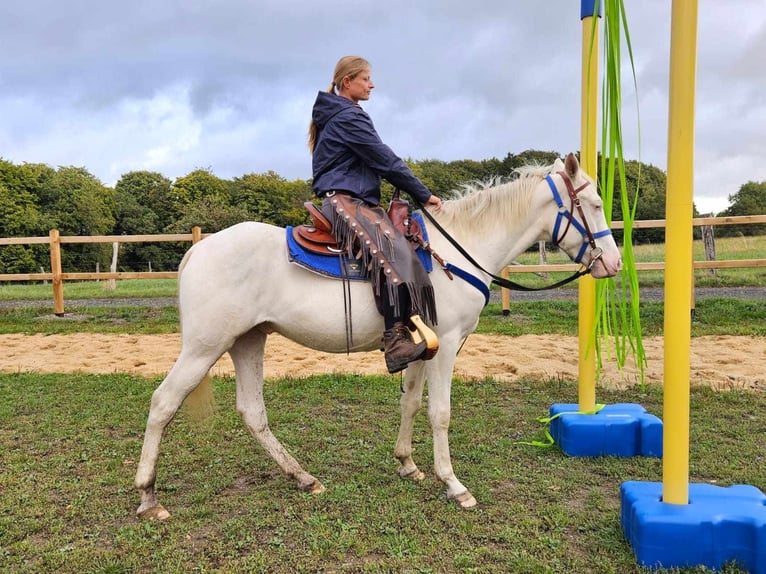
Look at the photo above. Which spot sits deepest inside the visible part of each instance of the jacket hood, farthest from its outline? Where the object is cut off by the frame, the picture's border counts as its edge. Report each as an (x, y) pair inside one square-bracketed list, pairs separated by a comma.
[(328, 105)]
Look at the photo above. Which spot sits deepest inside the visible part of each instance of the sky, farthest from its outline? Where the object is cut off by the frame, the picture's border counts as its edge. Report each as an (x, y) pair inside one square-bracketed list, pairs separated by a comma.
[(228, 85)]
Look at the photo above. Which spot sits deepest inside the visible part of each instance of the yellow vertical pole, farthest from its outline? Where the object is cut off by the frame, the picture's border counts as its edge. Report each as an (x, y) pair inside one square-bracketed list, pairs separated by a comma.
[(588, 154), (678, 252)]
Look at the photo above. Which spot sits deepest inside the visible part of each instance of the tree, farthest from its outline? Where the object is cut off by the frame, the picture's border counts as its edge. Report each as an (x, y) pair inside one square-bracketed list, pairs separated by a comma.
[(143, 206), (270, 198), (19, 217), (209, 214), (749, 200), (527, 157), (151, 191), (200, 184), (649, 182), (77, 203)]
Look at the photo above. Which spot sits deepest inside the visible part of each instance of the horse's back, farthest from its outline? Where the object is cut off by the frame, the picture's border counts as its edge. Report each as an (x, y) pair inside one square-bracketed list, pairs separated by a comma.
[(241, 277)]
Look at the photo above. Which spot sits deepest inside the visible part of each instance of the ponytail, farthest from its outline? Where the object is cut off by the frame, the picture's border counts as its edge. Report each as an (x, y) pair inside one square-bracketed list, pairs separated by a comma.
[(313, 130)]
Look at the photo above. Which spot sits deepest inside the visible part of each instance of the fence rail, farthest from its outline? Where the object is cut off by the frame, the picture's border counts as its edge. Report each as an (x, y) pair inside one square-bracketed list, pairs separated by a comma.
[(57, 277)]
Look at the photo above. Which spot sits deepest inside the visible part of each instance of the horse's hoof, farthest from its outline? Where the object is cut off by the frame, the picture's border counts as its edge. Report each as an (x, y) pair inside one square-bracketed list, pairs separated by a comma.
[(154, 513), (464, 499), (315, 487), (415, 475)]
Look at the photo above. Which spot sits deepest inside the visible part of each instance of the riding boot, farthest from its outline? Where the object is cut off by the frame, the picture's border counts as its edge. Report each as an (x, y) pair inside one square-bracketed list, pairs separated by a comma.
[(399, 348)]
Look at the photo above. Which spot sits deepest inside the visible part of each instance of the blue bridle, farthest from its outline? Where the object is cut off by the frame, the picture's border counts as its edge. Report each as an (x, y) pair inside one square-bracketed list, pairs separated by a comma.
[(589, 238)]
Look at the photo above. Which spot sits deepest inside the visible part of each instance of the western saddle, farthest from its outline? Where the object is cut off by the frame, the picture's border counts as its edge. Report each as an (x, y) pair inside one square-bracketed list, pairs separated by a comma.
[(317, 236)]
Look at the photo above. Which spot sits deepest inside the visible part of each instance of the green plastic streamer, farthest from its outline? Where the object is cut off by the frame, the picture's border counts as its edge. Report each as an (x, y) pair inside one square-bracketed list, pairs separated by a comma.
[(617, 307)]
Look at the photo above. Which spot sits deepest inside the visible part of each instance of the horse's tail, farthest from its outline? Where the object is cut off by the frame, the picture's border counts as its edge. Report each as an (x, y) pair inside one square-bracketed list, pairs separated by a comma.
[(200, 403)]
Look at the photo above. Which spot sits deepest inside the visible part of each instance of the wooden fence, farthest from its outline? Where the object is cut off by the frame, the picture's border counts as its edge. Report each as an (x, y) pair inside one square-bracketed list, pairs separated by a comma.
[(57, 276)]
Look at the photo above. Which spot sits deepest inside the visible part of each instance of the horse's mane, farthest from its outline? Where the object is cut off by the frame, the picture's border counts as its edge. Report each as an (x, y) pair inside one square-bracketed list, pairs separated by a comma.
[(483, 205)]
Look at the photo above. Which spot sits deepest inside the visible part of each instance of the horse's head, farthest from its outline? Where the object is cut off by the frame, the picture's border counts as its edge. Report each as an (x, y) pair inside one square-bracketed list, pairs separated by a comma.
[(580, 228)]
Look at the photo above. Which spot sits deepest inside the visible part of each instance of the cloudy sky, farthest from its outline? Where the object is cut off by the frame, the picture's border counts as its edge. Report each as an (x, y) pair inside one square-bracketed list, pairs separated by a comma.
[(175, 85)]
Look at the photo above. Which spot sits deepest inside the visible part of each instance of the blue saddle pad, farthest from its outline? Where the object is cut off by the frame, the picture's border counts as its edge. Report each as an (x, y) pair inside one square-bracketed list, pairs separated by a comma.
[(341, 266)]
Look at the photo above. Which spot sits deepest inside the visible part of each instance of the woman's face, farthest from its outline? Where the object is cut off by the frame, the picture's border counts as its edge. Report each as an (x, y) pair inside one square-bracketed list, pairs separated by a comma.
[(358, 88)]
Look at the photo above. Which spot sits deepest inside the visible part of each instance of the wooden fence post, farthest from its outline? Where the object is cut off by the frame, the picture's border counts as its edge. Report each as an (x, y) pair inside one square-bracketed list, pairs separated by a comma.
[(708, 240), (196, 234), (111, 284), (543, 255), (58, 284), (505, 294)]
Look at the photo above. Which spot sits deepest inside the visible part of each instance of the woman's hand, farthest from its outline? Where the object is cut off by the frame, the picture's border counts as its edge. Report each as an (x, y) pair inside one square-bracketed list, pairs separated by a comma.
[(434, 202)]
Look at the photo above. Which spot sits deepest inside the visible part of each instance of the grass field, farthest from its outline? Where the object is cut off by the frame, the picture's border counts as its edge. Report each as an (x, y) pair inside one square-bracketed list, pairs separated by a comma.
[(71, 443)]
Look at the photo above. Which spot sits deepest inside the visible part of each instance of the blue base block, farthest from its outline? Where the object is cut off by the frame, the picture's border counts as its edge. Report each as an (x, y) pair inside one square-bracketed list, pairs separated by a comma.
[(622, 429), (719, 525)]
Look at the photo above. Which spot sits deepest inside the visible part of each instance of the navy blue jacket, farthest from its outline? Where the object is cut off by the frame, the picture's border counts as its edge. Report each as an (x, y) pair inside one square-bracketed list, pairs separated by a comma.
[(349, 155)]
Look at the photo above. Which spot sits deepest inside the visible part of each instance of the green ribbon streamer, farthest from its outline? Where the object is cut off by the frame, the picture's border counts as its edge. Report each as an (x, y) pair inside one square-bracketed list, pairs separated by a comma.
[(547, 422)]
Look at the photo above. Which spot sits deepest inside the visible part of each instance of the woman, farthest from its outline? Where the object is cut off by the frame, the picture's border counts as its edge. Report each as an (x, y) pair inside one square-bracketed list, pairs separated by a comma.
[(349, 161)]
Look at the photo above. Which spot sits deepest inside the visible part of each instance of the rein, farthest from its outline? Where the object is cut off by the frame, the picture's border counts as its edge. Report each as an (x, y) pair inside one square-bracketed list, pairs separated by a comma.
[(590, 240)]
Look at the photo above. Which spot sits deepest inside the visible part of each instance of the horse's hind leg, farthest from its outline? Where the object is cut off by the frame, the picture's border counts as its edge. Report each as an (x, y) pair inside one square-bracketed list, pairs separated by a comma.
[(410, 403), (247, 355), (185, 375)]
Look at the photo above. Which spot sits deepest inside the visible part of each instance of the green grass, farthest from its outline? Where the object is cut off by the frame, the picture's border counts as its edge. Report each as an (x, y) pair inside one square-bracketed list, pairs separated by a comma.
[(86, 319), (70, 446), (90, 290), (712, 317)]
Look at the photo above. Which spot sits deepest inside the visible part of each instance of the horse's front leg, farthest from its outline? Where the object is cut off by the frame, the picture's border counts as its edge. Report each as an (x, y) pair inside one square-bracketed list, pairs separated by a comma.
[(439, 373), (410, 403)]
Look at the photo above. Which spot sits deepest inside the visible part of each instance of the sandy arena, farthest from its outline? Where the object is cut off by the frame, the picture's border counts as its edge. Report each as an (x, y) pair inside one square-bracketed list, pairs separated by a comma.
[(723, 362)]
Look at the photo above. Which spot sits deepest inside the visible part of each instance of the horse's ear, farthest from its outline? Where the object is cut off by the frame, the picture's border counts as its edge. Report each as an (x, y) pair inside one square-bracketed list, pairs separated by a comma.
[(572, 166)]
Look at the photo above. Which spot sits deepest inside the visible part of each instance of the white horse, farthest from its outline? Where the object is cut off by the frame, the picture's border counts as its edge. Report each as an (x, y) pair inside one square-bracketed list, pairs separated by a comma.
[(237, 286)]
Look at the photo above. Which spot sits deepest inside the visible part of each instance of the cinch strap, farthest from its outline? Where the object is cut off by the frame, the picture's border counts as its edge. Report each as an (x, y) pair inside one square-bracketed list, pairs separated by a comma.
[(472, 279)]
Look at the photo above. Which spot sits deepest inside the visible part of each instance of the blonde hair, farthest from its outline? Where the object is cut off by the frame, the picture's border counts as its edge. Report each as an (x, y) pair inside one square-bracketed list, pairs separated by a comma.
[(347, 67)]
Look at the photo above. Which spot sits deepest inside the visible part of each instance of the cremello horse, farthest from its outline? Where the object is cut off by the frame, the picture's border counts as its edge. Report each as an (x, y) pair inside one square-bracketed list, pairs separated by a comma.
[(237, 286)]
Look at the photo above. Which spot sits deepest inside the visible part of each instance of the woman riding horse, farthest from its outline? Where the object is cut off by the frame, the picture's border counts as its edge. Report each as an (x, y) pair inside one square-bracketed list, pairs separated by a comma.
[(349, 161)]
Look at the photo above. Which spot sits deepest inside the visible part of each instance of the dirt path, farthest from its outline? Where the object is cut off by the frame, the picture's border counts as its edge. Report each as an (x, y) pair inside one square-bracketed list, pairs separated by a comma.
[(723, 362)]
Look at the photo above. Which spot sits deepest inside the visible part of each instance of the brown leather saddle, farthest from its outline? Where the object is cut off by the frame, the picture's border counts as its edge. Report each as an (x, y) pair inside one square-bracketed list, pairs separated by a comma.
[(317, 236)]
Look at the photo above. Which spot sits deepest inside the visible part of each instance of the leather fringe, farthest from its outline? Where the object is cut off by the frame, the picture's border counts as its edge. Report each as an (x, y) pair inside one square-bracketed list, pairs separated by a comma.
[(366, 233)]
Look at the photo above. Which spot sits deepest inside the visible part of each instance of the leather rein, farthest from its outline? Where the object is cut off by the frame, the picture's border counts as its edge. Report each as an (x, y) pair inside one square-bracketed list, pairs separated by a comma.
[(589, 238)]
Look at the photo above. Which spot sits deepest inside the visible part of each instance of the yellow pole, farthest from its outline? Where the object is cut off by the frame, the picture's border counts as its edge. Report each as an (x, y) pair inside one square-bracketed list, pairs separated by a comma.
[(588, 155), (678, 252)]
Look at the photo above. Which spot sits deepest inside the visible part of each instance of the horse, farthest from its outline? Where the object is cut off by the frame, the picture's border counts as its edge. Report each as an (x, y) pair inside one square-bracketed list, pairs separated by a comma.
[(236, 286)]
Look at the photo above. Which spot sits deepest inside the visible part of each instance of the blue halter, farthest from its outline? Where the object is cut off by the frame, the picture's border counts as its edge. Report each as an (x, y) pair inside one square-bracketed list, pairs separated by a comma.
[(589, 238)]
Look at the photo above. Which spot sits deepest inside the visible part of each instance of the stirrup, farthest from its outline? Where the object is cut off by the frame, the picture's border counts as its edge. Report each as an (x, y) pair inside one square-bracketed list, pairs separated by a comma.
[(422, 332)]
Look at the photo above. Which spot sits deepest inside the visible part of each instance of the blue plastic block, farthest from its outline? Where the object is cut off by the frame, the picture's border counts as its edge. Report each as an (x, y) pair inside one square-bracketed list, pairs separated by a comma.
[(622, 429), (719, 525)]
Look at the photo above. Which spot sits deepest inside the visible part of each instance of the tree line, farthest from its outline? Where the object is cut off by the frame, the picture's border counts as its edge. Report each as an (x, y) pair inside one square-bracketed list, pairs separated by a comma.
[(35, 198)]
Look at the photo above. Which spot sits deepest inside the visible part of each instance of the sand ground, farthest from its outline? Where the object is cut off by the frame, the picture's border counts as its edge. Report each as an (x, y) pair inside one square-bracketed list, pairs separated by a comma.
[(723, 362)]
